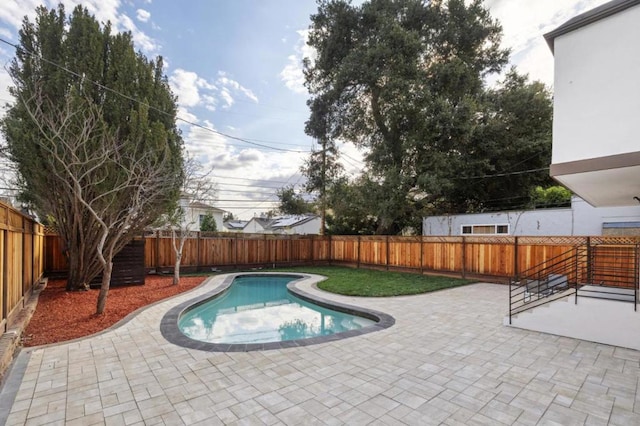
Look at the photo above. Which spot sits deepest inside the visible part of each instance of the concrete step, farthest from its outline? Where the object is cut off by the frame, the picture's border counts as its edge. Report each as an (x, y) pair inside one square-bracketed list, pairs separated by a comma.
[(606, 292)]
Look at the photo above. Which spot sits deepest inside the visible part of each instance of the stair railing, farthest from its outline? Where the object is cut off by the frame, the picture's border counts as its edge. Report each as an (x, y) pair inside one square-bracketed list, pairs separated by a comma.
[(551, 280), (599, 266)]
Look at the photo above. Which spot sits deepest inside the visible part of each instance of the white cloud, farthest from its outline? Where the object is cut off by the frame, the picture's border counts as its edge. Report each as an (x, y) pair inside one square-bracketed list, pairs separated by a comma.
[(226, 97), (193, 90), (141, 40), (228, 83), (292, 74), (243, 160), (187, 85), (185, 114), (184, 85), (143, 15)]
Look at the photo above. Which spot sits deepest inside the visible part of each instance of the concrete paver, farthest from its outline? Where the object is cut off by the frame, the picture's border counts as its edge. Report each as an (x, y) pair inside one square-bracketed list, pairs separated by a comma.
[(447, 360)]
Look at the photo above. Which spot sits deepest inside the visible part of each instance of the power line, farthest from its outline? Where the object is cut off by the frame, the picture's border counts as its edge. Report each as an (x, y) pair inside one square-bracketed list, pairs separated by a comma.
[(504, 174), (257, 180)]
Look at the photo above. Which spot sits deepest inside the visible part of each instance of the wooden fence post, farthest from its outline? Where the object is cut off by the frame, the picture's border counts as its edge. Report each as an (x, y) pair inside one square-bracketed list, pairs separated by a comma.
[(421, 255), (24, 248), (516, 269), (5, 276), (198, 251), (330, 253), (464, 257), (358, 259), (387, 241), (290, 249), (157, 260), (33, 255), (235, 260), (589, 263)]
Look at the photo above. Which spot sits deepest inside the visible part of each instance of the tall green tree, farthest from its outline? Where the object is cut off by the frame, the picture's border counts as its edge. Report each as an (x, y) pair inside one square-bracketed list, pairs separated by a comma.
[(291, 202), (553, 196), (510, 134), (351, 206), (405, 80), (208, 223), (70, 71)]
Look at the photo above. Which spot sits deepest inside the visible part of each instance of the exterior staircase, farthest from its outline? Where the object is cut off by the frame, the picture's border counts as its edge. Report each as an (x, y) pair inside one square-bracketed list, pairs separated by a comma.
[(579, 294)]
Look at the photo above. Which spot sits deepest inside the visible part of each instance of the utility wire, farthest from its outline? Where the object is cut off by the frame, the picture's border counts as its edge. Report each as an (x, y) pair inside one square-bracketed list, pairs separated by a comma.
[(503, 174)]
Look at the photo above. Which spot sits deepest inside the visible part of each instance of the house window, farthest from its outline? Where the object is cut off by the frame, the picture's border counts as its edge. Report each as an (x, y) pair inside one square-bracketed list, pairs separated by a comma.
[(485, 229), (201, 218)]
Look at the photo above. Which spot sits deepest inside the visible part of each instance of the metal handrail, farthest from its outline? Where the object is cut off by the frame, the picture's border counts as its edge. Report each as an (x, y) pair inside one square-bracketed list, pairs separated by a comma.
[(596, 265)]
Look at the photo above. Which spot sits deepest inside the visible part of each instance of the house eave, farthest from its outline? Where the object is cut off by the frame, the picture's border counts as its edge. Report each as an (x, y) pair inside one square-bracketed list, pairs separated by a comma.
[(602, 181), (589, 17)]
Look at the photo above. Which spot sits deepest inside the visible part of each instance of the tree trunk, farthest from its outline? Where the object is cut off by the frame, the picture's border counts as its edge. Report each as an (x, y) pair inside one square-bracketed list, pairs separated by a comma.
[(176, 268), (77, 279), (104, 288)]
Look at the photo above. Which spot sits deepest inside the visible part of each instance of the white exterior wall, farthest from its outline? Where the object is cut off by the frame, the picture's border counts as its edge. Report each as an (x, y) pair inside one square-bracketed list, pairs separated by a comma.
[(310, 227), (581, 219), (597, 89), (533, 222), (589, 219)]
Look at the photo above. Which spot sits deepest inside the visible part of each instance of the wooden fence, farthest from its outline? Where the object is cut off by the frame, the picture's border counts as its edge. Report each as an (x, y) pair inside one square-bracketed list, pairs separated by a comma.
[(496, 258), (21, 261)]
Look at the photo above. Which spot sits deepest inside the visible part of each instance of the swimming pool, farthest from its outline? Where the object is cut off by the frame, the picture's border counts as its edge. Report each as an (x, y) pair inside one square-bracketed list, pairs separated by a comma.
[(265, 311), (260, 309)]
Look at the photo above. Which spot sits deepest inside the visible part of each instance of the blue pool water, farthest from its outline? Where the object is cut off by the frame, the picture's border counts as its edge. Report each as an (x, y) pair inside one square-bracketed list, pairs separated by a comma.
[(260, 309)]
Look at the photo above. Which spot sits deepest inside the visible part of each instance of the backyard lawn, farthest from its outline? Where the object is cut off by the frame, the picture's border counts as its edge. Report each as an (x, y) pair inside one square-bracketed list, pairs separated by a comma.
[(372, 283)]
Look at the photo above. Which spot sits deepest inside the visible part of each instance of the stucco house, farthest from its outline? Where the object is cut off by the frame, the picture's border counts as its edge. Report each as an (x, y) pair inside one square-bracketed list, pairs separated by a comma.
[(581, 219), (596, 151)]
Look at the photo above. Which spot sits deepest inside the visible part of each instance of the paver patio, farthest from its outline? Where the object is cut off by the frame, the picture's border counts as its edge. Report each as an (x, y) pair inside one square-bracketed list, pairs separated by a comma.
[(447, 360)]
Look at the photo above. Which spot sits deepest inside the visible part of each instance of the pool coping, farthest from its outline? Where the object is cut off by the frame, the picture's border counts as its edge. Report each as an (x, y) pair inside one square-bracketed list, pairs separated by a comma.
[(171, 332)]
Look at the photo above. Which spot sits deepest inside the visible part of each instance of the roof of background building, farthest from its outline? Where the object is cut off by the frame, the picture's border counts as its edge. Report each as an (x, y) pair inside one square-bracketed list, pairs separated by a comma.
[(235, 224)]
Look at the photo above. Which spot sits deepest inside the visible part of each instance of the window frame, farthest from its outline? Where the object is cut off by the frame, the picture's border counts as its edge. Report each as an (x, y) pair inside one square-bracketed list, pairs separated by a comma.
[(495, 226)]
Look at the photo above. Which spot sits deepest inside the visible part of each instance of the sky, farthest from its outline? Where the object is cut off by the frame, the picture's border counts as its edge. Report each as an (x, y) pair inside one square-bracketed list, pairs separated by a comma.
[(236, 68)]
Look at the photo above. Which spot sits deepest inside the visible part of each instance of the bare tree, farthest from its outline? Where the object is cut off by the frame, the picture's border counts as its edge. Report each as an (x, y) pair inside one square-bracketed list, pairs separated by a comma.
[(109, 189), (197, 186)]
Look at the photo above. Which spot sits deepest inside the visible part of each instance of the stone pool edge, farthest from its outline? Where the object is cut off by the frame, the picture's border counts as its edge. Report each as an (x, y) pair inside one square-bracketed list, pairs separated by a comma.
[(171, 332)]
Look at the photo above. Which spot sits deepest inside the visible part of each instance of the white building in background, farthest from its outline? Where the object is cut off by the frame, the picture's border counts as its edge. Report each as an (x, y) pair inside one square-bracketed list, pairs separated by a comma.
[(195, 211), (581, 219), (308, 224), (596, 118)]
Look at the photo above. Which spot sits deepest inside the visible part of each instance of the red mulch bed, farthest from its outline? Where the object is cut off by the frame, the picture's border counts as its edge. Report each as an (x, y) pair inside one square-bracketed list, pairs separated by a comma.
[(62, 315)]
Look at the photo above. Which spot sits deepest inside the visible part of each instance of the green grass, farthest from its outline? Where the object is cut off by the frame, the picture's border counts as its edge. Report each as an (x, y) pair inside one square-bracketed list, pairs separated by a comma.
[(371, 283)]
